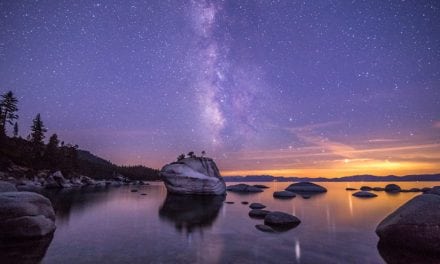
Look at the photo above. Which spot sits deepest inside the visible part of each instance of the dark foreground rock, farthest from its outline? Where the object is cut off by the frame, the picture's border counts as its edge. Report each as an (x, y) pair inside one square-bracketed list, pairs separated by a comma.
[(284, 195), (434, 190), (392, 188), (265, 228), (280, 220), (364, 194), (243, 188), (193, 176), (258, 213), (395, 254), (25, 215), (24, 250), (415, 225), (257, 206), (306, 187)]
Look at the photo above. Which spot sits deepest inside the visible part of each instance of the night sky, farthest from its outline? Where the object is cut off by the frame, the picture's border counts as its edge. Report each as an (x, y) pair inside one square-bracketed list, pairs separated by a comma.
[(293, 88)]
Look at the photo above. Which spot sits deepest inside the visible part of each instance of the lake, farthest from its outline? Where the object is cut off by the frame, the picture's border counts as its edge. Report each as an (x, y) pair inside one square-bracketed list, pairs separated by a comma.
[(115, 225)]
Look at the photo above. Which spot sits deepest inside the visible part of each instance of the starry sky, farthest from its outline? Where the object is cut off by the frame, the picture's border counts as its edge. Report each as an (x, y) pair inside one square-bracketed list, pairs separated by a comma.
[(287, 88)]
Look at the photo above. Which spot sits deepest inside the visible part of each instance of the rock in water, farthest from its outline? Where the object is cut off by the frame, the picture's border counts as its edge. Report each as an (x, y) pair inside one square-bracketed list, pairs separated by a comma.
[(281, 220), (257, 206), (393, 188), (25, 215), (264, 228), (414, 225), (364, 194), (305, 187), (284, 194), (243, 188), (197, 175)]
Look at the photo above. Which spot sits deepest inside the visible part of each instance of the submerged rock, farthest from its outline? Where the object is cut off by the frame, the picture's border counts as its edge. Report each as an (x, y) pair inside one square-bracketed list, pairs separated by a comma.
[(264, 228), (281, 220), (25, 215), (244, 188), (366, 188), (257, 206), (306, 187), (414, 225), (193, 176), (350, 189), (364, 194), (258, 213), (261, 186), (392, 188), (284, 194)]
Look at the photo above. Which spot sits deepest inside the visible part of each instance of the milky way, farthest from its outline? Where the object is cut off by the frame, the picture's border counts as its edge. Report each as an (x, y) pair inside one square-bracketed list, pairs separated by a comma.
[(313, 88)]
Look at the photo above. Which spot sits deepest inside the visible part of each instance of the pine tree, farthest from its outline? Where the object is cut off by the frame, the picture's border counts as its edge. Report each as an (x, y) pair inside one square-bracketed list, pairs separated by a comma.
[(38, 130), (8, 111), (16, 129), (52, 152)]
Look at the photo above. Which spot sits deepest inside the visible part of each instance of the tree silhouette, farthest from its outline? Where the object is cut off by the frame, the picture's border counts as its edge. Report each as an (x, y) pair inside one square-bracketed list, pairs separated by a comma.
[(8, 111), (181, 157), (38, 130), (51, 154), (16, 129), (203, 153), (191, 154)]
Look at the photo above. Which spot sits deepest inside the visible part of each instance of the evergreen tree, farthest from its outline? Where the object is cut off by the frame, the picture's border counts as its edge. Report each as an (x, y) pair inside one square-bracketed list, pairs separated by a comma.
[(8, 111), (38, 130), (16, 129), (52, 155)]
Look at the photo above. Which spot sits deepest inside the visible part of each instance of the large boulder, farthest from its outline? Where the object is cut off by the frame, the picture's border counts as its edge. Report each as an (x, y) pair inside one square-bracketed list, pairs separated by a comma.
[(306, 187), (414, 225), (243, 188), (25, 215), (7, 187), (193, 176)]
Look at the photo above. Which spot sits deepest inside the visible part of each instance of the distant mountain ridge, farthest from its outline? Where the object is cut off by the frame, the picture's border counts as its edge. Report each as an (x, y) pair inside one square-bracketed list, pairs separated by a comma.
[(353, 178)]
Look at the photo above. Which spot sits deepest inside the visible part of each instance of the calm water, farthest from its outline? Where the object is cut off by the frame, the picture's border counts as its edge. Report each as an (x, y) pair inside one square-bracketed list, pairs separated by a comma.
[(115, 225)]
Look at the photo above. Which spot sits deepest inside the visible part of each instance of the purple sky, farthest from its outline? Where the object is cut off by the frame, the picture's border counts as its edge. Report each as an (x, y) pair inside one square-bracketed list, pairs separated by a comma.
[(281, 87)]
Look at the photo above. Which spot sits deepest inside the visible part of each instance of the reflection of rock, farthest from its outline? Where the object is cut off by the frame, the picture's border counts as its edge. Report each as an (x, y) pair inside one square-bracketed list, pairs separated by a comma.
[(25, 251), (191, 211), (25, 215), (393, 254), (414, 225), (193, 176), (308, 187)]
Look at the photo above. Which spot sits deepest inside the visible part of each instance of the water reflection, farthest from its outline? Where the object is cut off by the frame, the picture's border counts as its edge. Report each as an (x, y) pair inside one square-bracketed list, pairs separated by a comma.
[(189, 213), (398, 255), (25, 251)]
